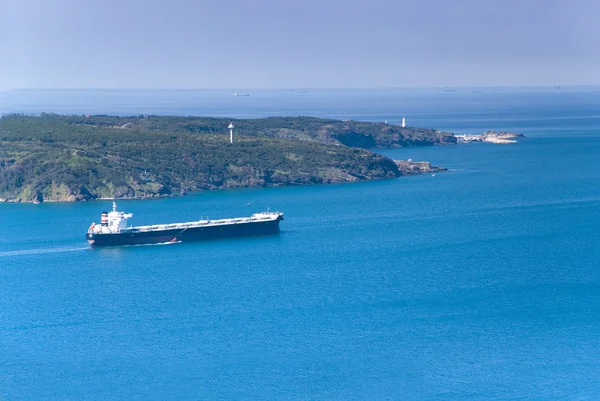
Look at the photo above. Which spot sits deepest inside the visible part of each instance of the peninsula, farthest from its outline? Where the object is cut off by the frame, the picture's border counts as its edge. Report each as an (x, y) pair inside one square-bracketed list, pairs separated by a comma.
[(75, 158)]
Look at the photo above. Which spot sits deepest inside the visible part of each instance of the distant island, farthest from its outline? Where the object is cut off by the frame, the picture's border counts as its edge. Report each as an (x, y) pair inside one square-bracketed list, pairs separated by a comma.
[(57, 158)]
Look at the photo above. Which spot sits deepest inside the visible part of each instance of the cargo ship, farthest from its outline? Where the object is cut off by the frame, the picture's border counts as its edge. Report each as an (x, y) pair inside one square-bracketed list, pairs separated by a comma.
[(114, 231)]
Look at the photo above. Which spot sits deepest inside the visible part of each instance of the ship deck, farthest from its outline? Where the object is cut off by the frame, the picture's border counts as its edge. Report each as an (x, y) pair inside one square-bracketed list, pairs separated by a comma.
[(256, 218)]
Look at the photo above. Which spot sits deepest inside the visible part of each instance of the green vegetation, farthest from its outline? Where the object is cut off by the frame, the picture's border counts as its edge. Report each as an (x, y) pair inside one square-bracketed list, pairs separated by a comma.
[(349, 133), (69, 158)]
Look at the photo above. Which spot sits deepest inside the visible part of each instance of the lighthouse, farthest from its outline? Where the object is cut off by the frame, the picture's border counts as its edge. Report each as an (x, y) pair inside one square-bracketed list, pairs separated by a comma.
[(230, 132), (403, 122)]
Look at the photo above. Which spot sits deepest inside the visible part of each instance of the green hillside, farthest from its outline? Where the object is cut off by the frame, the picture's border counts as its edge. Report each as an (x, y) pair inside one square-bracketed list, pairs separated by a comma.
[(68, 158), (349, 133)]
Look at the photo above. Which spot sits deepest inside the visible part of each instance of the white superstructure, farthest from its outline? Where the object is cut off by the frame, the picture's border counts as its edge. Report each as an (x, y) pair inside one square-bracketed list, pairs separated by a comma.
[(111, 222)]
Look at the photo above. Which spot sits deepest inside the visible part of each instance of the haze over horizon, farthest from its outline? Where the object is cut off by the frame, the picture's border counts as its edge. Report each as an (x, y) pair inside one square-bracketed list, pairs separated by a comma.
[(182, 44)]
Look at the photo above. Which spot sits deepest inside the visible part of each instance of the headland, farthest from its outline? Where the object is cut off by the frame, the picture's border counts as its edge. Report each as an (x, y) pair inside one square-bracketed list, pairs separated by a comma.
[(58, 158)]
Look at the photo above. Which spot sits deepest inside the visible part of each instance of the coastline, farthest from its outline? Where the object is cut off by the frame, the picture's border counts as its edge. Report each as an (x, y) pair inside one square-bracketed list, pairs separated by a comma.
[(406, 167), (56, 158)]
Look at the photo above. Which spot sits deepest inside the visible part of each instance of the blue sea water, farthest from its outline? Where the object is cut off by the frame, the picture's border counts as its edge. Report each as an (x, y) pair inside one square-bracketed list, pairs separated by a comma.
[(479, 283)]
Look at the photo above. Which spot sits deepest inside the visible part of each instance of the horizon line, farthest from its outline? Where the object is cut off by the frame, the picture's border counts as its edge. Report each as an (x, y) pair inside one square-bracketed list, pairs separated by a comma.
[(293, 88)]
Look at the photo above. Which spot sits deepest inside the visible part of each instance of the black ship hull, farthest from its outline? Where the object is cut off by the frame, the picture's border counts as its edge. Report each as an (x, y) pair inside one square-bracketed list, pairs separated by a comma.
[(134, 237)]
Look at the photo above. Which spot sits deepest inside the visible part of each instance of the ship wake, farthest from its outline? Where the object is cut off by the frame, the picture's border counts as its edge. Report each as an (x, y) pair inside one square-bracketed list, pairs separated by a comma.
[(39, 251), (155, 244)]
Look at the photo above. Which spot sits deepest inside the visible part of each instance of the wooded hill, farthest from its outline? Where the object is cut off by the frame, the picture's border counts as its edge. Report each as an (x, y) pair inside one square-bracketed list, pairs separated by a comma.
[(350, 133), (68, 158)]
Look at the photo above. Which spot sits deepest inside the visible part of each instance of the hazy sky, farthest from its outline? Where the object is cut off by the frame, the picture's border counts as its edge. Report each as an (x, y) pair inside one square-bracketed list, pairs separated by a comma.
[(308, 43)]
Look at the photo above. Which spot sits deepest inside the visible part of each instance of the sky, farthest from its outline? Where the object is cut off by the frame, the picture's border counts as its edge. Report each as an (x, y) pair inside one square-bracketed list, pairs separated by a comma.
[(64, 44)]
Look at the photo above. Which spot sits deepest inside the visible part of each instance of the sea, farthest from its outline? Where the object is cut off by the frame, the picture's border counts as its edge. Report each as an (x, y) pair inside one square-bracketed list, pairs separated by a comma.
[(480, 283)]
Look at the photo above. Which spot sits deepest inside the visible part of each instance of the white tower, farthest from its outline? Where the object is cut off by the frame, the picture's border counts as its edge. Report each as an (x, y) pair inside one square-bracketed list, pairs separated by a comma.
[(403, 122), (230, 132)]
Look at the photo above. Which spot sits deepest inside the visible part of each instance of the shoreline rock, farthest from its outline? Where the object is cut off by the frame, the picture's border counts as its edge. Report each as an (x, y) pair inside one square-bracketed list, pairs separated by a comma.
[(410, 167)]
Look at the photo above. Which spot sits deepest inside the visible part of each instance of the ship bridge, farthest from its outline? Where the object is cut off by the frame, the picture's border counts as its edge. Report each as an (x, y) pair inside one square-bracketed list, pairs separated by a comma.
[(111, 222)]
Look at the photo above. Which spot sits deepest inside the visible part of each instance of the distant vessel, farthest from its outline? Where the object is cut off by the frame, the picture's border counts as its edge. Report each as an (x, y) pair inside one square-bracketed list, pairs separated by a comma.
[(241, 94), (113, 229)]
